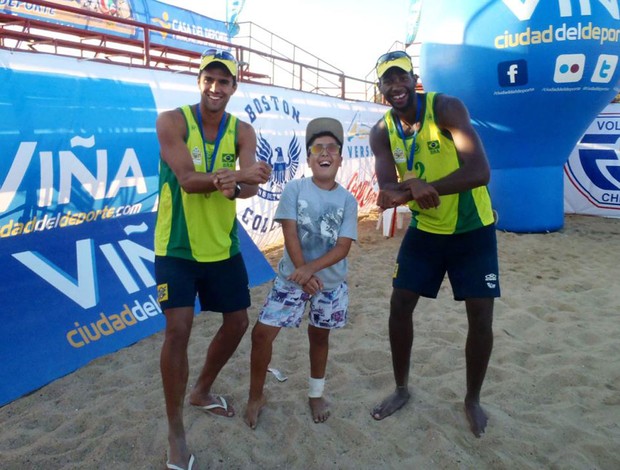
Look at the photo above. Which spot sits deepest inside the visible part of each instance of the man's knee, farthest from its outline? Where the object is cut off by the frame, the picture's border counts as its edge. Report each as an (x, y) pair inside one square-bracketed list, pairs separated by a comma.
[(178, 325), (402, 303), (480, 315), (241, 325), (235, 323)]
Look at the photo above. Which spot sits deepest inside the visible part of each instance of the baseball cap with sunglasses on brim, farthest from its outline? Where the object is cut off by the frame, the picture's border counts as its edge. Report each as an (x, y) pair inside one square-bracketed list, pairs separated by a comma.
[(388, 60), (223, 57)]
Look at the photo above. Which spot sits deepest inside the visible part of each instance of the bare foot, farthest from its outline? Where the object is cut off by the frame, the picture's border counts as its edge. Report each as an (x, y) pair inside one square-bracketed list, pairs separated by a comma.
[(252, 410), (476, 416), (319, 408), (391, 404)]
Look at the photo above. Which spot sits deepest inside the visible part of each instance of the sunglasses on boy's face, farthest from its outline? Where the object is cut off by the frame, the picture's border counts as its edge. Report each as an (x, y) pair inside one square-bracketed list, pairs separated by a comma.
[(317, 149)]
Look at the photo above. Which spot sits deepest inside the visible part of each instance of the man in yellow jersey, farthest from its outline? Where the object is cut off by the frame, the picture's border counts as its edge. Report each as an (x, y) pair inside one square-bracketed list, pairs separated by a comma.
[(196, 244), (428, 155)]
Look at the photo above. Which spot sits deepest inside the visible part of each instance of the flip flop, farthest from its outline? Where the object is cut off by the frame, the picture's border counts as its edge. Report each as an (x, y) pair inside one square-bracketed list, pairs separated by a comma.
[(214, 406), (280, 377), (190, 464)]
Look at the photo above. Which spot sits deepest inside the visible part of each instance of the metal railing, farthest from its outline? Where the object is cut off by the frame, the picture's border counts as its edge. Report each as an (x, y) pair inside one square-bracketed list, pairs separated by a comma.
[(259, 52)]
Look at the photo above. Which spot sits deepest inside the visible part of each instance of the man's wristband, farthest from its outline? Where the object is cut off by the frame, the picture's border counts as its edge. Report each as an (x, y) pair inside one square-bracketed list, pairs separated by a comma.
[(237, 191)]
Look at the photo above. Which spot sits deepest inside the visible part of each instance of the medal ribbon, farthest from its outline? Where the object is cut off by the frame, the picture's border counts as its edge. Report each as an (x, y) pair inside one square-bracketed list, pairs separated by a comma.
[(401, 132), (220, 134)]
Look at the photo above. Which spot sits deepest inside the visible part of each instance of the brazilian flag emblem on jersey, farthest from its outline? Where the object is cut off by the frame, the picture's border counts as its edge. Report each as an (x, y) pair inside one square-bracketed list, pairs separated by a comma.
[(228, 160), (433, 146)]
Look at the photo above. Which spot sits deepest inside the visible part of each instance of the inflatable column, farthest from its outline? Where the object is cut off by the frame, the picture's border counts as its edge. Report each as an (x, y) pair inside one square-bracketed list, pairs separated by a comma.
[(534, 74)]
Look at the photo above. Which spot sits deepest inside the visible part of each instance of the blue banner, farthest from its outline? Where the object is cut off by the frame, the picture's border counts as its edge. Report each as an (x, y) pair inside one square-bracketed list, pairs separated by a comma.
[(72, 295), (70, 153), (150, 12), (413, 21), (592, 173), (233, 10)]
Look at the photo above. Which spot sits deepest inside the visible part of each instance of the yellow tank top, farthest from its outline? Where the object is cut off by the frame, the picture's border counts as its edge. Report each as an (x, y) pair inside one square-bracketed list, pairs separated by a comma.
[(435, 157), (199, 227)]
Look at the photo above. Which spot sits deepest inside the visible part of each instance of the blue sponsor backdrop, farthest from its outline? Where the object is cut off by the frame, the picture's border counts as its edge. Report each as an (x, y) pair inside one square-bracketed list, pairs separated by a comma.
[(70, 143), (150, 12), (534, 75), (71, 295), (78, 184)]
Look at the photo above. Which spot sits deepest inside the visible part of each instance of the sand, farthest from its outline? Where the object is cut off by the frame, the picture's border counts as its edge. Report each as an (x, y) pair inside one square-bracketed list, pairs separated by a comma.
[(552, 391)]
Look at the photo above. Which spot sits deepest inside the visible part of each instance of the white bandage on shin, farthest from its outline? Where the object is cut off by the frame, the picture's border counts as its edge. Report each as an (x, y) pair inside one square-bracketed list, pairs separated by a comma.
[(316, 387)]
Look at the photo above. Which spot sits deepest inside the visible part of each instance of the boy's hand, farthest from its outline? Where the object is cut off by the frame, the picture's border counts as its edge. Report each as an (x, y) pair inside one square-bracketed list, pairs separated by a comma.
[(313, 286), (301, 275)]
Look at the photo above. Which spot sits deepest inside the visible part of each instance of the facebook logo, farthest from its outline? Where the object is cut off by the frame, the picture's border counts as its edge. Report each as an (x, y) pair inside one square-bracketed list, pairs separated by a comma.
[(512, 73)]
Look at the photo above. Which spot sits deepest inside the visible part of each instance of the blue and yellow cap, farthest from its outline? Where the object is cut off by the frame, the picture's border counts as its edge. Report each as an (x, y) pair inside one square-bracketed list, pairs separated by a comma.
[(398, 59)]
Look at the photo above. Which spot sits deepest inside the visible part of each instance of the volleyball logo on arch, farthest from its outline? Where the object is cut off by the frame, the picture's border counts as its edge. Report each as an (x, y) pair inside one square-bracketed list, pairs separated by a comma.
[(593, 167)]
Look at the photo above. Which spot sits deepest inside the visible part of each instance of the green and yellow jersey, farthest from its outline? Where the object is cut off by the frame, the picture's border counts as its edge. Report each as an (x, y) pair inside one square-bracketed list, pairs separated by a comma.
[(199, 227), (436, 157)]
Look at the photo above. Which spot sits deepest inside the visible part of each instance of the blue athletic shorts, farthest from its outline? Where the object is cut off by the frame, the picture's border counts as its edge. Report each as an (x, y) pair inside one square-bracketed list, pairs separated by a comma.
[(470, 259), (221, 286), (286, 303)]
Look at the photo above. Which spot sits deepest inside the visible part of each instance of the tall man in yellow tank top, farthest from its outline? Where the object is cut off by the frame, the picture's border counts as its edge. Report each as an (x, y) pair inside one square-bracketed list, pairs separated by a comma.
[(428, 155), (197, 249)]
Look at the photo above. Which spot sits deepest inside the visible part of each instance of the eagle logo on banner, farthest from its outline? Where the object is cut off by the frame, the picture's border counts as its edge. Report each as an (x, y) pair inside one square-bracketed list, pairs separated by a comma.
[(284, 166)]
